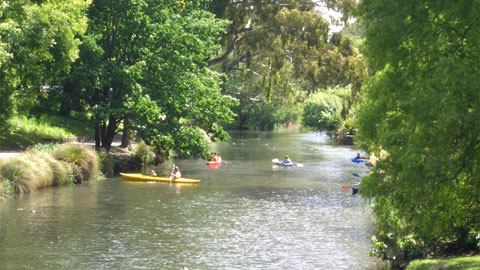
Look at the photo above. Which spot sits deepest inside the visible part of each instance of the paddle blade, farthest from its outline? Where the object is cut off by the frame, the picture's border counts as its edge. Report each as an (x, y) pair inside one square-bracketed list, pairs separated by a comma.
[(356, 175), (275, 160), (346, 186), (300, 165)]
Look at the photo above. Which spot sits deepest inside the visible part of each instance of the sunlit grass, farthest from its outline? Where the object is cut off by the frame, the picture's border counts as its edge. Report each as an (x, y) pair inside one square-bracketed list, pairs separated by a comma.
[(38, 128), (461, 263), (24, 132)]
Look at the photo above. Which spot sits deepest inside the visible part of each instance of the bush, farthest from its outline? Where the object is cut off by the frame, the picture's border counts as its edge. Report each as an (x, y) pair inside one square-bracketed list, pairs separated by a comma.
[(143, 153), (262, 116), (322, 112)]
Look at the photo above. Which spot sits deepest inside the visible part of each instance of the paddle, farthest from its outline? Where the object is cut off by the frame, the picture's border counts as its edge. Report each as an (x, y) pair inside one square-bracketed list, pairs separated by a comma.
[(349, 186), (171, 174)]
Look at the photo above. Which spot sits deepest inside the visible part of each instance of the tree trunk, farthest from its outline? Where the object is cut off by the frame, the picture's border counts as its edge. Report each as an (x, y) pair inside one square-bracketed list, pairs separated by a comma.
[(126, 133), (109, 132), (97, 137)]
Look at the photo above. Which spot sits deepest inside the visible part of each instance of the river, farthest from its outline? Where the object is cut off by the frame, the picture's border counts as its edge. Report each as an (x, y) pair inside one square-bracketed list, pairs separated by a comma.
[(245, 214)]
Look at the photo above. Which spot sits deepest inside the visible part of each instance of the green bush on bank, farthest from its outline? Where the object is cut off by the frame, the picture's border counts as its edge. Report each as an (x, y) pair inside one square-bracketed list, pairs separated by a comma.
[(322, 112), (143, 153)]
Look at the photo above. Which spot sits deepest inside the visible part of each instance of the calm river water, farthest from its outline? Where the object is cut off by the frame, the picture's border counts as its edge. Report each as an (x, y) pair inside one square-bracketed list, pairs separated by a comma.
[(245, 214)]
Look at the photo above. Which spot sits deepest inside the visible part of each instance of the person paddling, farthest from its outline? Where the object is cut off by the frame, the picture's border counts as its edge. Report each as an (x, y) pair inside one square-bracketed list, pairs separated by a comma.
[(287, 160), (175, 174)]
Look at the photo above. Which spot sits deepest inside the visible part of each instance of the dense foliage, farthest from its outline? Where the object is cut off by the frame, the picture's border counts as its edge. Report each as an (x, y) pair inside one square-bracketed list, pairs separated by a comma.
[(279, 52), (142, 66), (322, 112), (38, 42), (171, 72), (422, 112)]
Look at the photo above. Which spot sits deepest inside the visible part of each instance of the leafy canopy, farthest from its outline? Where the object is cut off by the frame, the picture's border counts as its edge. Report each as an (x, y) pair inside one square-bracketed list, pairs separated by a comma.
[(422, 109)]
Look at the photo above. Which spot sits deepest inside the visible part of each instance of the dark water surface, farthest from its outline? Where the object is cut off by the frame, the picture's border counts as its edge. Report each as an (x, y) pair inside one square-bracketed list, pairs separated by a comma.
[(245, 214)]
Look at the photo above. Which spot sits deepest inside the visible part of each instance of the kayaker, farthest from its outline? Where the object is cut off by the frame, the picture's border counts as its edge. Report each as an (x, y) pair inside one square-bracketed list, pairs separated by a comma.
[(216, 157), (287, 160), (153, 173), (175, 174), (358, 156)]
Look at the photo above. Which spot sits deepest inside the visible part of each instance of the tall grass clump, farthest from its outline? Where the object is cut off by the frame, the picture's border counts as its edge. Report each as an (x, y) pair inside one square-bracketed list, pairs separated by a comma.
[(30, 171), (62, 172), (83, 159)]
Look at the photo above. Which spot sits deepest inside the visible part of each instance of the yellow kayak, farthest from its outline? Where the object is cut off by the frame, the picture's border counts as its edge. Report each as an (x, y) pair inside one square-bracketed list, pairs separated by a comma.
[(141, 177)]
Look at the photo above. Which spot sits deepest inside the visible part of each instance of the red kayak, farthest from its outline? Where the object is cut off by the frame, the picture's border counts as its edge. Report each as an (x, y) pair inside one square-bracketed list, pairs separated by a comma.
[(214, 162)]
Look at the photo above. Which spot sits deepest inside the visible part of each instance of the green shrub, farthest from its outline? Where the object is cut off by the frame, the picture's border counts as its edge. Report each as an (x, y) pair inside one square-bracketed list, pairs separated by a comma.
[(6, 187), (262, 116), (49, 148), (107, 163), (83, 159), (322, 112), (143, 153)]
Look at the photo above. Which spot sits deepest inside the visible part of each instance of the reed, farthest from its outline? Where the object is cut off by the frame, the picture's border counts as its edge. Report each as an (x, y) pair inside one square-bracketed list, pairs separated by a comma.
[(83, 159)]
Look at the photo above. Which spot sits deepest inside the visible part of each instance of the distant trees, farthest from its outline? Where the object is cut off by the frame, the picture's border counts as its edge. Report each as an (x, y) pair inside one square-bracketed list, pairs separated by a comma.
[(275, 54), (422, 113)]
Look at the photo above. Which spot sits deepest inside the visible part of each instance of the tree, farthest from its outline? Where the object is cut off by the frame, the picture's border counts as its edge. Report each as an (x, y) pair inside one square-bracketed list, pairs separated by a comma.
[(422, 111), (322, 111), (38, 42), (279, 52), (143, 66)]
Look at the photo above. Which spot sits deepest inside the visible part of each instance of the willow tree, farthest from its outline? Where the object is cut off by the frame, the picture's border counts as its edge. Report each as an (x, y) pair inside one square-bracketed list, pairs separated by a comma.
[(276, 53), (422, 112)]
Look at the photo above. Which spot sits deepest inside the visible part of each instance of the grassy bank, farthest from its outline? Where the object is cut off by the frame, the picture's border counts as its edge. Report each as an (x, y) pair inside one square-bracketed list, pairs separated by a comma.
[(48, 166), (24, 132), (460, 263)]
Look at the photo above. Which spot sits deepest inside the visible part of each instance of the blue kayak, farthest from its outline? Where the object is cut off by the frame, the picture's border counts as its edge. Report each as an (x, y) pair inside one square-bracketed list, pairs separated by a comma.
[(283, 163), (357, 160)]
